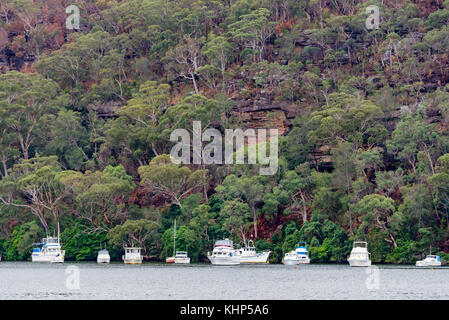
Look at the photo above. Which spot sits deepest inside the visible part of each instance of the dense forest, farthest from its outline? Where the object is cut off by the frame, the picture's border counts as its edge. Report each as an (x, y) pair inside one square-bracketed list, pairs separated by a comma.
[(363, 114)]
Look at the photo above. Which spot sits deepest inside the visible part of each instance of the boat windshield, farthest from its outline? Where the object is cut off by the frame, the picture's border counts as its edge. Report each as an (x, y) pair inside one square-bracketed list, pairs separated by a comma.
[(103, 252), (360, 244), (51, 240), (227, 243)]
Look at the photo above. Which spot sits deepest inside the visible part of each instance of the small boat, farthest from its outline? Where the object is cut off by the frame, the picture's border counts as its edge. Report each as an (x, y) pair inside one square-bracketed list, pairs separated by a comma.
[(303, 253), (170, 260), (291, 258), (49, 250), (181, 257), (429, 261), (103, 256), (249, 255), (132, 255), (360, 257), (299, 256), (224, 254)]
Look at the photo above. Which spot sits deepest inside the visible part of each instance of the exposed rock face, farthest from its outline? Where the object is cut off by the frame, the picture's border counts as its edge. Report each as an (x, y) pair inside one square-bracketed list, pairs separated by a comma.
[(261, 111)]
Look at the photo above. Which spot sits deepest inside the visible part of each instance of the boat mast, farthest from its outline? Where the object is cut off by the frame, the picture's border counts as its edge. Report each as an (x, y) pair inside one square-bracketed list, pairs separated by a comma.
[(174, 240)]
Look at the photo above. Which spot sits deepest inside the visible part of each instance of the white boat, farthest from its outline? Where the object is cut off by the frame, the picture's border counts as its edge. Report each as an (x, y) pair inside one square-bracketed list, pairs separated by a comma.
[(249, 255), (299, 256), (103, 256), (360, 257), (429, 261), (291, 258), (224, 254), (303, 254), (49, 250), (181, 257), (132, 255)]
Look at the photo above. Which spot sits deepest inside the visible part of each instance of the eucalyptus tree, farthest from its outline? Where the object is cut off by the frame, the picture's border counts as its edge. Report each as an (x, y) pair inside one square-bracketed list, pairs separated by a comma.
[(25, 101)]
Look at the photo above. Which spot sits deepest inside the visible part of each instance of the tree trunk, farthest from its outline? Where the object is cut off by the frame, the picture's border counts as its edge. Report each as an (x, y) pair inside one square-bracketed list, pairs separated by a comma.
[(253, 209)]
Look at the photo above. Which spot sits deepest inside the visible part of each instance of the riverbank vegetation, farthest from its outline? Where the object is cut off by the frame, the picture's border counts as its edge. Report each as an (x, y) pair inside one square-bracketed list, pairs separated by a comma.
[(86, 117)]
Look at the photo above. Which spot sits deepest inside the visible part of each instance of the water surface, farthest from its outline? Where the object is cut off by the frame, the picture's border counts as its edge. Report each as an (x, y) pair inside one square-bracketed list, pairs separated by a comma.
[(26, 280)]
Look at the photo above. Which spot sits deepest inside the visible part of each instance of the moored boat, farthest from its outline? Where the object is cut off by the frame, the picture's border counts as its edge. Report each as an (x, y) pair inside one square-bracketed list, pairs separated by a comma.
[(170, 260), (303, 253), (429, 261), (132, 255), (181, 257), (360, 257), (249, 255), (291, 258), (103, 256), (224, 254), (49, 250), (299, 256)]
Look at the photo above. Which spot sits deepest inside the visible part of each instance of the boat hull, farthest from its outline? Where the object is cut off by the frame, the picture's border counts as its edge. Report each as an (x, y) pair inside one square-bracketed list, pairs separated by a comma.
[(103, 259), (182, 261), (359, 263), (47, 259), (426, 264), (224, 261), (170, 260), (132, 261), (290, 262), (304, 261), (255, 259)]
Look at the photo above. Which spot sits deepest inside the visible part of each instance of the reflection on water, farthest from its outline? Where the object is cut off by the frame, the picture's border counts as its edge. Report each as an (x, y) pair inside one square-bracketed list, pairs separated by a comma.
[(26, 280)]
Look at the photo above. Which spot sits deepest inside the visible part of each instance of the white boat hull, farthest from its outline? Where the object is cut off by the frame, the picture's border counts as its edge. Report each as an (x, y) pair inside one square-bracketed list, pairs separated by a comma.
[(47, 258), (304, 261), (427, 264), (258, 258), (359, 263), (290, 262), (103, 259), (182, 260), (224, 261)]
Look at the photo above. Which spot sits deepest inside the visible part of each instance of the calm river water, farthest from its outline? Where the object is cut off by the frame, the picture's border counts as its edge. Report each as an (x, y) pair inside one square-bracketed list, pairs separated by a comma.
[(26, 280)]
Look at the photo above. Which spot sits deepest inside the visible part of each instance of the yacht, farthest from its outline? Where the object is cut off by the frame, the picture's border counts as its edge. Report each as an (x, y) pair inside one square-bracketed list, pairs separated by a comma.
[(181, 257), (303, 253), (132, 255), (291, 258), (429, 261), (224, 254), (49, 250), (360, 257), (103, 256), (299, 256), (249, 255)]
